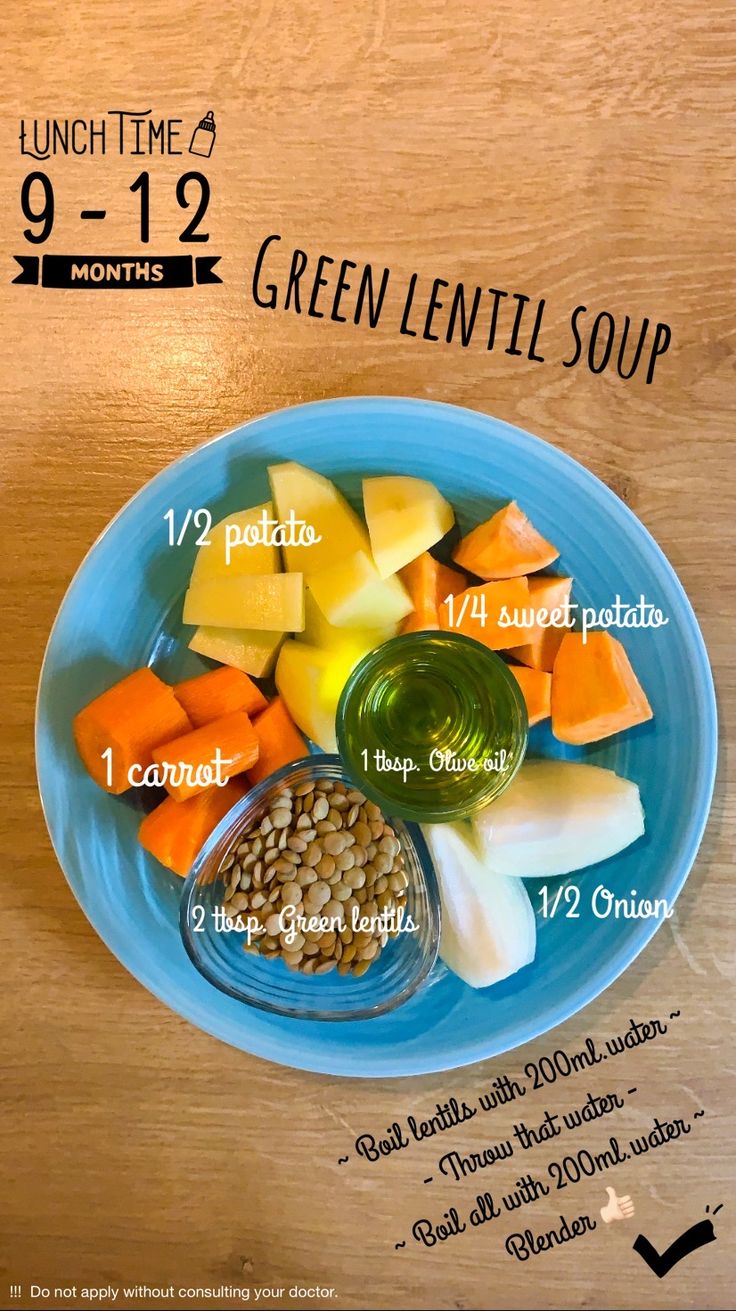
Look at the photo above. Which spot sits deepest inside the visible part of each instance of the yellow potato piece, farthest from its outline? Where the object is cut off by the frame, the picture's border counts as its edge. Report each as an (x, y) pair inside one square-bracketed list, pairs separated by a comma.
[(309, 681), (266, 601), (316, 500), (241, 648), (211, 561), (301, 677), (405, 516), (318, 631), (351, 594)]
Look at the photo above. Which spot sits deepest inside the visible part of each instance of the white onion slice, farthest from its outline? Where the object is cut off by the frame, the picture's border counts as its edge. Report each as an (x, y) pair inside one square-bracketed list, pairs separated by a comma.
[(488, 925), (558, 816)]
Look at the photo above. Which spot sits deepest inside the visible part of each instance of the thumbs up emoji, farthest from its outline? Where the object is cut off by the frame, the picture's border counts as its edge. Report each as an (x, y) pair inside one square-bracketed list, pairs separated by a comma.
[(616, 1208)]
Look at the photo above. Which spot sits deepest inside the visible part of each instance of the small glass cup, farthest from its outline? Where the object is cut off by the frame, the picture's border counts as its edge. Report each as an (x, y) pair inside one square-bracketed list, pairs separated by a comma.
[(400, 969), (433, 726)]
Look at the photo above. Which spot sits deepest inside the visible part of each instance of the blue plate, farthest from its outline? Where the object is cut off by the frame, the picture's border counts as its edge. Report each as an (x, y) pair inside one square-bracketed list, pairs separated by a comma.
[(123, 609)]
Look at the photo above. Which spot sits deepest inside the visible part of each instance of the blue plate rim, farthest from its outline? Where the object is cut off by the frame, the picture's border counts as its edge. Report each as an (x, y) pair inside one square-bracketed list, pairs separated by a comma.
[(643, 931)]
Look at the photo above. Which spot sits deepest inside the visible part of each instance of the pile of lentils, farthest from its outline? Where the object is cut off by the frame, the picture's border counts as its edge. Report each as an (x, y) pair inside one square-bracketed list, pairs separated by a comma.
[(324, 851)]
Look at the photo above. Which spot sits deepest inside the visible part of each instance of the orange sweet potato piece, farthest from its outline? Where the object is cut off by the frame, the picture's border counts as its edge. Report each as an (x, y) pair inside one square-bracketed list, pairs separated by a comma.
[(233, 735), (550, 594), (505, 546), (131, 717), (279, 741), (220, 691), (476, 612), (536, 687), (418, 621), (595, 692), (428, 583), (176, 831), (450, 582)]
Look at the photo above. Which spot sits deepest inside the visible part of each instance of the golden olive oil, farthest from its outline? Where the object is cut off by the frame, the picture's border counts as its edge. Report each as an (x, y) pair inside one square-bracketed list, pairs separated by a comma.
[(432, 725)]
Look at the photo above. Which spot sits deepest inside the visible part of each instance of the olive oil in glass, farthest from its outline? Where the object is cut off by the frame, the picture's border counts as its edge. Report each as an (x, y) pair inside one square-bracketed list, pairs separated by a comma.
[(432, 726)]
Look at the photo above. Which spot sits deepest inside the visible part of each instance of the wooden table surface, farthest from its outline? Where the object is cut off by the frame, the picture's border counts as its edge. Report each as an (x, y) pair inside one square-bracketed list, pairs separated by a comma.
[(580, 152)]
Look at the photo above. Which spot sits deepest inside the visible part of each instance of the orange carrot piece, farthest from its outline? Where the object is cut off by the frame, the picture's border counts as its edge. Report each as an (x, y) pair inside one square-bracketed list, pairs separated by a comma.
[(428, 583), (131, 718), (192, 758), (595, 691), (219, 692), (279, 741), (505, 546), (550, 594), (476, 612), (536, 687), (176, 831)]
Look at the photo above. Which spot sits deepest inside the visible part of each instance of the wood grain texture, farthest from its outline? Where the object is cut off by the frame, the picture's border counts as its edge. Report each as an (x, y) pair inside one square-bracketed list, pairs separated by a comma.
[(583, 152)]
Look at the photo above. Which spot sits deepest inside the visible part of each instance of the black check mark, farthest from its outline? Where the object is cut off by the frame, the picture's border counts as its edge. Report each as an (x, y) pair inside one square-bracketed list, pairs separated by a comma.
[(661, 1263)]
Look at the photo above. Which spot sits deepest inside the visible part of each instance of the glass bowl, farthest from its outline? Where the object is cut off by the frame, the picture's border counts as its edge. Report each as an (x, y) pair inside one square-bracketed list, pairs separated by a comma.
[(218, 954), (432, 726)]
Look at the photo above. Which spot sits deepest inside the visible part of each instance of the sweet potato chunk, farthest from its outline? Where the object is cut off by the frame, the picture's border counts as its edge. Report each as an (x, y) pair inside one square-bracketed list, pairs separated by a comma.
[(549, 595), (595, 691), (536, 687), (428, 583), (477, 612), (505, 546)]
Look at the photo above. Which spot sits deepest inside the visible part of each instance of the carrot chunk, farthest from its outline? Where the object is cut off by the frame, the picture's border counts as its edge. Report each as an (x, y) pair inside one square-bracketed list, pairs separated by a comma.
[(219, 692), (505, 546), (549, 597), (176, 831), (428, 583), (131, 718), (279, 741), (477, 612), (536, 687), (595, 692), (192, 758)]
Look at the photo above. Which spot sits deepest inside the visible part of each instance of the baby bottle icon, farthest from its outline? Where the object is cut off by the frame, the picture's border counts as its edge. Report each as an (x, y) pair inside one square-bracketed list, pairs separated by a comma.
[(203, 136)]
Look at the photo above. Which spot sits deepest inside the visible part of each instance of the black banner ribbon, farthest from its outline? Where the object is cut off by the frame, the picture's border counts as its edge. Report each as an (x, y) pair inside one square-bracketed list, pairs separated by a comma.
[(116, 271)]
